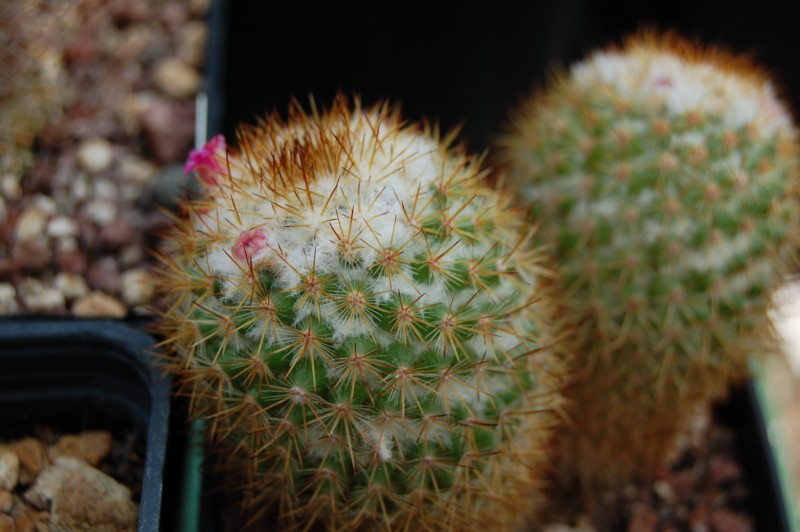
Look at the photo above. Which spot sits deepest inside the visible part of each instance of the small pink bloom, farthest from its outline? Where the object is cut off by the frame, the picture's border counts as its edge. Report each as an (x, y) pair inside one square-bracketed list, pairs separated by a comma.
[(207, 162), (249, 243), (663, 82)]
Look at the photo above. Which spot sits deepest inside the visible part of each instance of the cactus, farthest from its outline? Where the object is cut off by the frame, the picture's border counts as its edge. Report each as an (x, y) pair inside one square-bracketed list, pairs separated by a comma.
[(665, 179), (354, 313)]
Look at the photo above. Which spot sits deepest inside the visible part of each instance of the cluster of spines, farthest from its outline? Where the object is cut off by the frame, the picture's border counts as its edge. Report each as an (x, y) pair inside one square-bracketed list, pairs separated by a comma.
[(357, 311)]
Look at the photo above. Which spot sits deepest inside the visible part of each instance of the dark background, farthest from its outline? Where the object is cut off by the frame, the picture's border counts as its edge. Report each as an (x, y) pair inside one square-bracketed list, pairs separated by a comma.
[(465, 63)]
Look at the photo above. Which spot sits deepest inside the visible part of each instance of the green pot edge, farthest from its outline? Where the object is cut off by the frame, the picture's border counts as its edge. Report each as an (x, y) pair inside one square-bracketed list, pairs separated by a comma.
[(777, 444)]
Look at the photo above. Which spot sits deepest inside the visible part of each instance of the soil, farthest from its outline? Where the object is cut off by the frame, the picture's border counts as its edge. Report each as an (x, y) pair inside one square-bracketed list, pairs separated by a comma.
[(96, 119), (703, 488), (70, 481)]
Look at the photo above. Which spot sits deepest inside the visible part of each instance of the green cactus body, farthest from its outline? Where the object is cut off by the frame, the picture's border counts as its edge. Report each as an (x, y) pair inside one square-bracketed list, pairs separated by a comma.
[(665, 180), (354, 313)]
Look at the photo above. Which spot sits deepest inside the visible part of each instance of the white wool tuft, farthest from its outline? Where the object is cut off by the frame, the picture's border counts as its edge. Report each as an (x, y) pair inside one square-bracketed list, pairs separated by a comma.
[(685, 86)]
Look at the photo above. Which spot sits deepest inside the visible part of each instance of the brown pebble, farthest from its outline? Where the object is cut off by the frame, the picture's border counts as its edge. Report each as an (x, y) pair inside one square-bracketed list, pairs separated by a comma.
[(71, 261), (82, 498), (131, 255), (91, 446), (7, 228), (176, 78), (174, 13), (6, 502), (192, 41), (99, 305), (32, 254), (699, 518), (126, 12), (32, 458), (87, 231), (82, 50), (40, 176), (683, 484), (168, 128), (9, 269), (156, 222), (31, 520), (644, 519), (103, 274), (723, 469), (118, 233), (723, 520), (7, 523), (38, 297)]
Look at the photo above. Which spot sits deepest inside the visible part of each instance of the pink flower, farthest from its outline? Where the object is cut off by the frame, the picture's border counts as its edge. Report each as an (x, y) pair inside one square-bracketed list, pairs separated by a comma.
[(663, 82), (207, 162), (249, 243)]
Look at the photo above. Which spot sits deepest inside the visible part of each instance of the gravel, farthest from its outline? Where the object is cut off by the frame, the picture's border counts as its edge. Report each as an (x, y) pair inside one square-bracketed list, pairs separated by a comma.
[(115, 83), (67, 483)]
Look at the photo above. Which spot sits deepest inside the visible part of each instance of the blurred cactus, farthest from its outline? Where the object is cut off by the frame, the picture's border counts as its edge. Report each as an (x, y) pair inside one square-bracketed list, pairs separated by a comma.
[(356, 316), (664, 177)]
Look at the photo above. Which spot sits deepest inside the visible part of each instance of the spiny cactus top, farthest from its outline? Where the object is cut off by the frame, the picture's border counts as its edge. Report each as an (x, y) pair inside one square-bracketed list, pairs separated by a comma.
[(355, 312), (665, 178)]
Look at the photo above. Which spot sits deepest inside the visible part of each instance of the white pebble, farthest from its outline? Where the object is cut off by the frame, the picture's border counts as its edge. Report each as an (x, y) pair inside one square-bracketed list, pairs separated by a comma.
[(137, 286), (95, 155), (46, 204), (11, 188), (71, 285), (67, 243), (62, 227), (130, 255), (99, 305), (8, 300), (31, 223), (101, 212), (137, 170), (175, 78), (9, 469), (105, 189), (199, 8), (664, 491), (36, 297), (192, 42), (129, 192), (80, 188)]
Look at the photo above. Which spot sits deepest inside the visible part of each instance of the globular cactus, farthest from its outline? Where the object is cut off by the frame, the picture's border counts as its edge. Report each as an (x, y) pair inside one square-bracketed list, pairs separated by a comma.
[(664, 177), (355, 314)]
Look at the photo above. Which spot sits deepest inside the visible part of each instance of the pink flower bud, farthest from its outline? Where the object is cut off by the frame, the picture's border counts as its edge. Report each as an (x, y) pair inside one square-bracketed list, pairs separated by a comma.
[(249, 243), (208, 161)]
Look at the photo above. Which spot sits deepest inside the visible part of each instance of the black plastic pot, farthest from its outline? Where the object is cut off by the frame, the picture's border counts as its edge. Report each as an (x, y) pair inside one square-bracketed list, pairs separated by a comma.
[(744, 412), (75, 375)]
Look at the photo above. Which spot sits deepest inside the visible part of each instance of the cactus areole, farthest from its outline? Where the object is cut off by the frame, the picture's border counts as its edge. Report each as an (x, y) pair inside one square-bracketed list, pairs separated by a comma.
[(665, 180), (355, 313)]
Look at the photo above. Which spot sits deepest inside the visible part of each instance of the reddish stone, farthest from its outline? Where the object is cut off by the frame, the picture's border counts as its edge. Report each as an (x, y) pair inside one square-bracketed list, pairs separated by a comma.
[(168, 128), (71, 261), (104, 275)]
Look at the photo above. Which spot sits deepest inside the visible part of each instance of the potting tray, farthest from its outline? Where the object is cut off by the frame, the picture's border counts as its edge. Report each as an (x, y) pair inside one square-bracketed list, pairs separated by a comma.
[(76, 375)]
